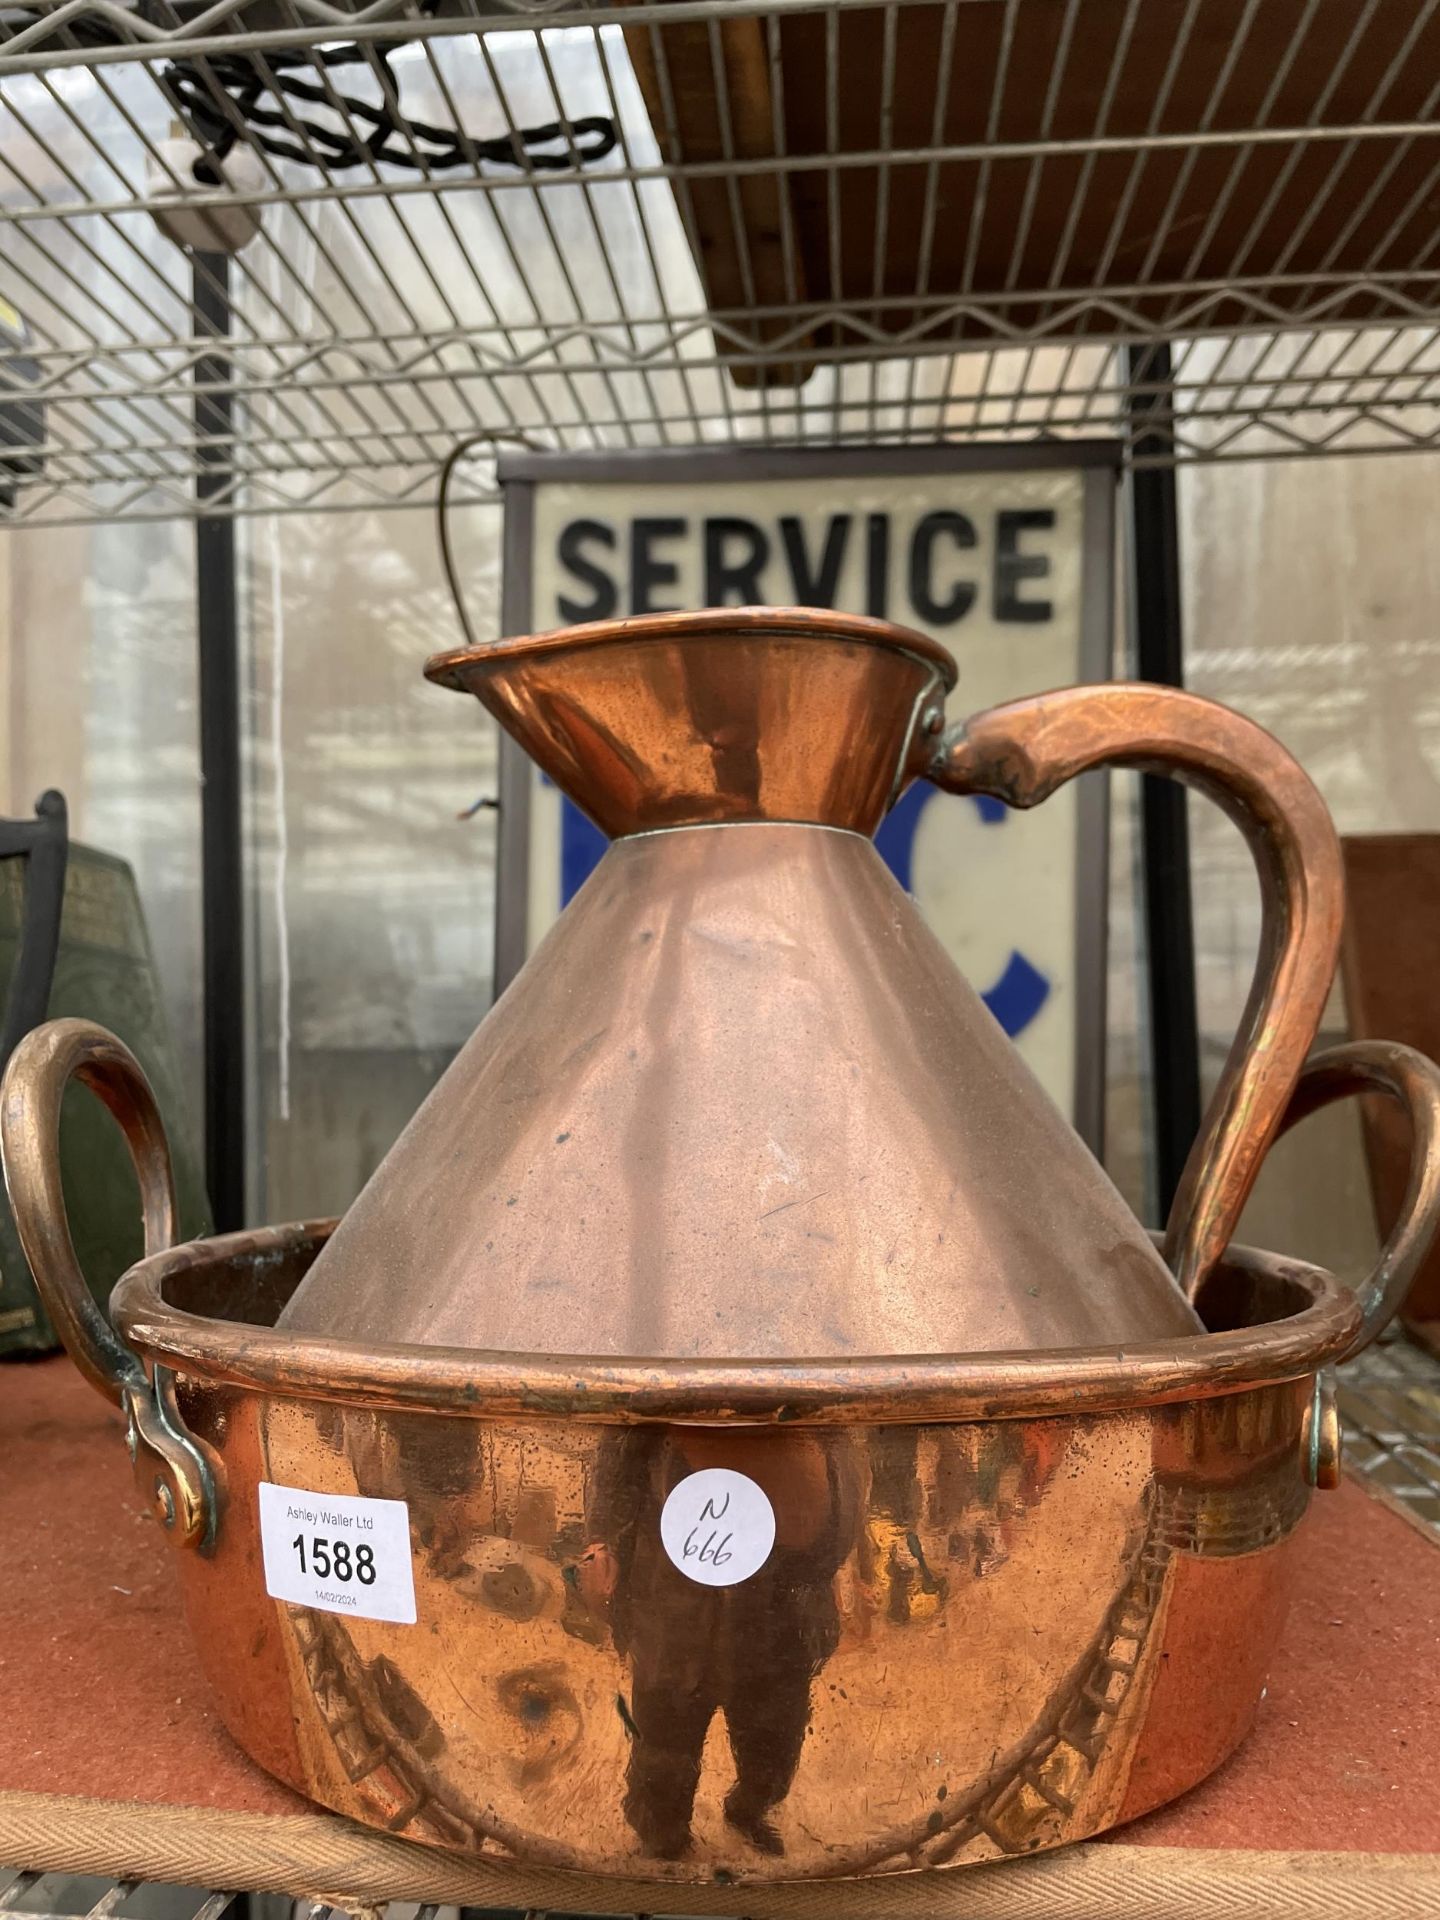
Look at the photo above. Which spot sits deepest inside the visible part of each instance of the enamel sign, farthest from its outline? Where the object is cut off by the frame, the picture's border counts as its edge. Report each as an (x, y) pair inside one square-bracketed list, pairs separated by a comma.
[(1003, 555)]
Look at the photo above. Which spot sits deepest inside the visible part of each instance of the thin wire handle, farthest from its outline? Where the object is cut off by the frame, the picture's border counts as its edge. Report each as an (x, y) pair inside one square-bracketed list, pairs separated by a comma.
[(457, 453)]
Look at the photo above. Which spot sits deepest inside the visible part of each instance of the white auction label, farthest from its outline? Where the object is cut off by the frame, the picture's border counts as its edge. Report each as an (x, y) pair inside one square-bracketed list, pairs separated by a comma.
[(338, 1552), (718, 1527)]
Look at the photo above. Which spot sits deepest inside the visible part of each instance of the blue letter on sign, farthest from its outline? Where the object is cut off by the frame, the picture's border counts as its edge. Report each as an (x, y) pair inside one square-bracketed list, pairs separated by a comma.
[(1022, 990)]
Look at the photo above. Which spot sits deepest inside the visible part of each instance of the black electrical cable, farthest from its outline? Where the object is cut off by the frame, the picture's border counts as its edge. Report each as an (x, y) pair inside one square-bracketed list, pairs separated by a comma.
[(486, 437), (190, 87), (386, 137)]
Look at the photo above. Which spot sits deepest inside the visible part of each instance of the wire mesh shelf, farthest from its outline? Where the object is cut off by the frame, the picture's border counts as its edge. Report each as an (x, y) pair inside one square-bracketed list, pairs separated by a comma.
[(69, 1896), (683, 222), (65, 1896), (1390, 1410), (58, 1896)]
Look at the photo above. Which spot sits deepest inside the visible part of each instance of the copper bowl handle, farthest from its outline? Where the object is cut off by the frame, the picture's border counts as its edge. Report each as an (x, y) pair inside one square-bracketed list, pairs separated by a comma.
[(1384, 1066), (173, 1473), (1021, 752)]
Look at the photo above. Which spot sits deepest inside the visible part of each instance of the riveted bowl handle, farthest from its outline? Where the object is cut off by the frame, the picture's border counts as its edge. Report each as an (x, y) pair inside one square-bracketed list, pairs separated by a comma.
[(1402, 1074), (173, 1473), (1020, 753)]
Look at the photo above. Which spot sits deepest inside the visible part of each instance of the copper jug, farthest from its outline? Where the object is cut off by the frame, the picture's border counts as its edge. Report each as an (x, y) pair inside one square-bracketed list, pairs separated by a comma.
[(740, 1102), (782, 1452)]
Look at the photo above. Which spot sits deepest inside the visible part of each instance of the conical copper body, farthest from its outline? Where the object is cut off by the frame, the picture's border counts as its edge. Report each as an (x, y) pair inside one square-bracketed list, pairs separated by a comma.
[(739, 1103)]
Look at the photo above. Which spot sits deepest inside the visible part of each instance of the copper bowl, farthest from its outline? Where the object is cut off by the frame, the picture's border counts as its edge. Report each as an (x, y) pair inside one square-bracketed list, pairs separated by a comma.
[(1016, 1598), (968, 1604)]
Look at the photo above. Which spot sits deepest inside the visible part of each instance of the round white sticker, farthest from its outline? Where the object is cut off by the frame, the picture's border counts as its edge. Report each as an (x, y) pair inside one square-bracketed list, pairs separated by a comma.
[(718, 1527)]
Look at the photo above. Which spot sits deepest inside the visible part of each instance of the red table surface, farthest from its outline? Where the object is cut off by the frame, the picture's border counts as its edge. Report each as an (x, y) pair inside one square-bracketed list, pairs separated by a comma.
[(103, 1695)]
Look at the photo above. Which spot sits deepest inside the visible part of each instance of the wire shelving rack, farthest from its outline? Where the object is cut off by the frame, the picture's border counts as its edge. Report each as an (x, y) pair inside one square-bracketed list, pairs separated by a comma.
[(1278, 299), (412, 282)]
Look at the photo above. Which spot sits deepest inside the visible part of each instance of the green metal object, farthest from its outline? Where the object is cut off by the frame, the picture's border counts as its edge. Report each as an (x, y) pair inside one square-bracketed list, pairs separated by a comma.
[(105, 971)]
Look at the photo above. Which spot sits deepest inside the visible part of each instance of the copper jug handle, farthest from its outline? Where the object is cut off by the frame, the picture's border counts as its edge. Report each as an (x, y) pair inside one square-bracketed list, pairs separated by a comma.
[(1407, 1077), (173, 1473), (1021, 752)]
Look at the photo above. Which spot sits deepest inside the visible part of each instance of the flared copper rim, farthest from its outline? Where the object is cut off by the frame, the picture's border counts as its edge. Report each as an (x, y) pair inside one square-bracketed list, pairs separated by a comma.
[(886, 1388), (448, 669)]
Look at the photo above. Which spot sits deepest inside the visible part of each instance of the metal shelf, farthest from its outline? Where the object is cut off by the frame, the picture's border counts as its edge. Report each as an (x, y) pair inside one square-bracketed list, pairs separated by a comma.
[(1390, 1410), (60, 1896), (391, 306)]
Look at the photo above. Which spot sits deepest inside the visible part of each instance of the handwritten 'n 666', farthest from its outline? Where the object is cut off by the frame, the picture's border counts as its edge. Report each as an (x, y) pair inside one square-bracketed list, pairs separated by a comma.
[(714, 1549)]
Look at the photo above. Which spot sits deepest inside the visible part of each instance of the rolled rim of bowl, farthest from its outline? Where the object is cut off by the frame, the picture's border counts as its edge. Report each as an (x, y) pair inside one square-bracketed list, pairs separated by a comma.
[(879, 1389)]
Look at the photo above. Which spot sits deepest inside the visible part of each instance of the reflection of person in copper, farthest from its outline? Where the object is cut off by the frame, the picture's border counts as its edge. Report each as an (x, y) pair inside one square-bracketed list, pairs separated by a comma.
[(750, 1651), (431, 1465), (987, 1479)]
